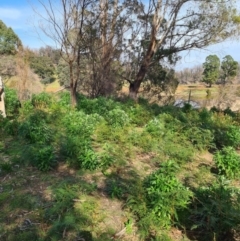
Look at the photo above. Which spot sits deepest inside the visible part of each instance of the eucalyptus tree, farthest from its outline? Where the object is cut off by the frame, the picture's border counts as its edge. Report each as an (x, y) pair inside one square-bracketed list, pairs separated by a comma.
[(172, 26), (211, 69), (107, 43), (229, 68)]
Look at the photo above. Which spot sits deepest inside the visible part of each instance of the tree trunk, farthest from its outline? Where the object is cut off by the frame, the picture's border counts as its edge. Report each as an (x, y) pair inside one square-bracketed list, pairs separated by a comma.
[(73, 97), (73, 86), (135, 85)]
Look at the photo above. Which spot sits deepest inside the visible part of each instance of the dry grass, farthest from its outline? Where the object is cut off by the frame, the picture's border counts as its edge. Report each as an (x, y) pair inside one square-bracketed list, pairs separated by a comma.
[(53, 87)]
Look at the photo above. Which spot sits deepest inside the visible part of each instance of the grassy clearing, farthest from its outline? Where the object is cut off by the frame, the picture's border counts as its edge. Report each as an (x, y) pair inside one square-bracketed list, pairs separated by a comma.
[(117, 170), (53, 87)]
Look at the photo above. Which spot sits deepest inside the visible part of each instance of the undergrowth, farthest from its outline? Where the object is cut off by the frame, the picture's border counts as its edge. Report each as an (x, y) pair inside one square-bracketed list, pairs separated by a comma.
[(126, 152)]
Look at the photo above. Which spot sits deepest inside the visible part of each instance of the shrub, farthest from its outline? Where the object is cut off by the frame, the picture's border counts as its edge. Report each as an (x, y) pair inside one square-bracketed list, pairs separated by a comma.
[(65, 99), (215, 210), (35, 129), (157, 200), (43, 157), (76, 145), (155, 127), (117, 118), (201, 138), (42, 100), (228, 162), (139, 115), (78, 123), (88, 159), (27, 108), (165, 194), (12, 102)]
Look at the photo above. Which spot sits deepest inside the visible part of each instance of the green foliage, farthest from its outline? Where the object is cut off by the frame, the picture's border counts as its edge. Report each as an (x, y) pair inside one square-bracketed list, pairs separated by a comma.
[(64, 100), (12, 102), (42, 100), (228, 136), (211, 69), (215, 210), (229, 68), (165, 194), (201, 138), (228, 162), (117, 118), (77, 144), (139, 115), (157, 200), (88, 158), (114, 189), (43, 67), (42, 157), (155, 127), (35, 129), (9, 41)]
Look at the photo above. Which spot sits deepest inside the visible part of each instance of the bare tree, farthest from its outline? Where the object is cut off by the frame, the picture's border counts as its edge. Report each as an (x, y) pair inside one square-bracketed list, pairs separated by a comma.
[(63, 21)]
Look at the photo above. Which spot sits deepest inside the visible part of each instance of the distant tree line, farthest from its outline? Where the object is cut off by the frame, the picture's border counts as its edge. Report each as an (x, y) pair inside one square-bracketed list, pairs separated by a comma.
[(211, 72)]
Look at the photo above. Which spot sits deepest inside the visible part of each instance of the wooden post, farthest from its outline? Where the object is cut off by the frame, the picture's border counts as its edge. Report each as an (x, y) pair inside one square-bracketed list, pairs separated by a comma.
[(2, 104), (189, 96)]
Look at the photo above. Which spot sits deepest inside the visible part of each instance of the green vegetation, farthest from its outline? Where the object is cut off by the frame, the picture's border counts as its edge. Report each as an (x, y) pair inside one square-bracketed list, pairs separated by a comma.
[(211, 69), (229, 68), (212, 72), (117, 169), (9, 41), (43, 67)]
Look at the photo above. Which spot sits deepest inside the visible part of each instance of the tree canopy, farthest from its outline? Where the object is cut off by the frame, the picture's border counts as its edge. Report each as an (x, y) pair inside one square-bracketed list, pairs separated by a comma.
[(133, 33), (211, 69), (9, 41), (229, 68)]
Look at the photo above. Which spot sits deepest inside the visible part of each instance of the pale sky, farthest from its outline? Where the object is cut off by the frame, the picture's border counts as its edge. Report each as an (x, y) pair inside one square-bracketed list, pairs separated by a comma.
[(18, 15)]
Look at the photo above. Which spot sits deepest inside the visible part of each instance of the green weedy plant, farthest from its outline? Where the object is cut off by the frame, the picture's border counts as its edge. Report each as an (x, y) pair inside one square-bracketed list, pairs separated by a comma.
[(43, 157), (228, 162), (27, 108), (232, 136), (105, 157), (201, 138), (35, 128), (117, 118), (42, 100), (12, 102), (165, 194), (156, 200), (155, 127), (76, 145), (215, 210), (115, 190), (226, 131), (88, 159), (64, 99), (139, 115)]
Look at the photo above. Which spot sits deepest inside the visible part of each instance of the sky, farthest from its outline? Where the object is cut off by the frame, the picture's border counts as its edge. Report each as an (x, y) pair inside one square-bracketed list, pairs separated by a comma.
[(19, 15)]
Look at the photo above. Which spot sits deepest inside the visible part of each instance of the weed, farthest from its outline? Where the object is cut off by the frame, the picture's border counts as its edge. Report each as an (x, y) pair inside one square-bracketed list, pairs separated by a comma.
[(42, 100), (43, 157), (155, 201), (117, 118), (114, 190), (35, 128), (228, 162), (215, 209)]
